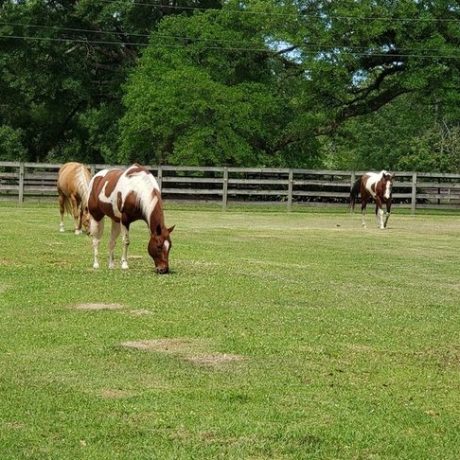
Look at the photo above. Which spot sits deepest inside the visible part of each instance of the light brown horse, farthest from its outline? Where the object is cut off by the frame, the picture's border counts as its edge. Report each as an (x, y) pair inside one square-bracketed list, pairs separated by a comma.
[(73, 187), (126, 196)]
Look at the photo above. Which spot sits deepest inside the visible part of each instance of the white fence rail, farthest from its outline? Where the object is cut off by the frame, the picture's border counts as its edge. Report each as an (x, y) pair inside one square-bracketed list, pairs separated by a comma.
[(291, 187)]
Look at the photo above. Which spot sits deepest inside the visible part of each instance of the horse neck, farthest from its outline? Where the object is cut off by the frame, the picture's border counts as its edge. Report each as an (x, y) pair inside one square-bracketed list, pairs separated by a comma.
[(156, 217)]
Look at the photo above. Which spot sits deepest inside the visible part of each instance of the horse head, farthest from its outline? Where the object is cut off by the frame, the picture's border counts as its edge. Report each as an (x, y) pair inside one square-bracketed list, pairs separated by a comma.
[(159, 247), (387, 179)]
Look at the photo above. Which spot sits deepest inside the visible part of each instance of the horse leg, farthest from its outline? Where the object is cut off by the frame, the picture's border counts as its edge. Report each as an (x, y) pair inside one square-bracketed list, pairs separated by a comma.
[(80, 216), (387, 214), (116, 227), (379, 213), (74, 201), (363, 213), (125, 239), (96, 231), (61, 211)]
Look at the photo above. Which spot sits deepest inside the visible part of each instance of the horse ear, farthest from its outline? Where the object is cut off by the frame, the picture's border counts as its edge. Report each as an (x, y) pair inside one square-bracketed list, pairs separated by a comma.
[(170, 229)]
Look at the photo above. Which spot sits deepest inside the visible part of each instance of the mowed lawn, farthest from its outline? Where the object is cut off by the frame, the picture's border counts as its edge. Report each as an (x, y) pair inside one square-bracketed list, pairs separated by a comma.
[(285, 336)]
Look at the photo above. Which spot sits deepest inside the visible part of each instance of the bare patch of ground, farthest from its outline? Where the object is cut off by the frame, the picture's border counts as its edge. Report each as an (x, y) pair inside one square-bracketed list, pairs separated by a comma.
[(176, 346), (214, 359), (111, 393), (99, 306), (195, 351)]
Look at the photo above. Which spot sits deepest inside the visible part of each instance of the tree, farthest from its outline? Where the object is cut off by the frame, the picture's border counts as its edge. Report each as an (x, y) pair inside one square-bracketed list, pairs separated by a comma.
[(63, 65), (308, 69)]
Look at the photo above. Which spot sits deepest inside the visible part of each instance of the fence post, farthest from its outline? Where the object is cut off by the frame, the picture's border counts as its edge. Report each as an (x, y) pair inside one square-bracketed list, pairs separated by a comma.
[(160, 177), (224, 189), (413, 199), (92, 169), (21, 182), (353, 178), (290, 189)]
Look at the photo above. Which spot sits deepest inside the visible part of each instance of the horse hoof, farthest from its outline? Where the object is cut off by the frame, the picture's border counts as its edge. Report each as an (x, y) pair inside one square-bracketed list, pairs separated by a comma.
[(95, 266), (61, 229), (124, 266), (111, 266), (77, 232)]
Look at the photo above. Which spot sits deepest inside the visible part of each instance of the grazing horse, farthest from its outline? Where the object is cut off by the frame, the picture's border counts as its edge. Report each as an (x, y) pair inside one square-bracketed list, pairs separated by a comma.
[(126, 196), (377, 186), (72, 185)]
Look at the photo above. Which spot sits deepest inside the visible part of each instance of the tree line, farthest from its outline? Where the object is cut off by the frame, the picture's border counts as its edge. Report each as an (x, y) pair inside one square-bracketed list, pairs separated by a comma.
[(300, 83)]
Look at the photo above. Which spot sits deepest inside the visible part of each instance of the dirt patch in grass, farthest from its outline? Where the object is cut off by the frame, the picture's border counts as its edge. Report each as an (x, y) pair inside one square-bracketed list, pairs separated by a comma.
[(214, 359), (112, 393), (176, 346), (99, 306), (195, 351)]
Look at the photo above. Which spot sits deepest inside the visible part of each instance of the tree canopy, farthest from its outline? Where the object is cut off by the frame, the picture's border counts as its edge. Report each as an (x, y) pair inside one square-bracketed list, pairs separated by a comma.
[(300, 83)]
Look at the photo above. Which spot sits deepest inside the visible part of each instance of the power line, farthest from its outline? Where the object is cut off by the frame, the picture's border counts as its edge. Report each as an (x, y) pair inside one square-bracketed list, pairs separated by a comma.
[(319, 47), (295, 15), (318, 51)]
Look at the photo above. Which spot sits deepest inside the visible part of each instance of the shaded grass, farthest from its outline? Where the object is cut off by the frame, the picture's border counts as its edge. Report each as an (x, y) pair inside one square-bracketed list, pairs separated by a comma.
[(349, 337)]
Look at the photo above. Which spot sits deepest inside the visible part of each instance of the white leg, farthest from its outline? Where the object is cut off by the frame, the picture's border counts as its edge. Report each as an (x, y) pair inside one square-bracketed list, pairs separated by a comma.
[(116, 227), (96, 230), (75, 212), (124, 254), (61, 211), (380, 218), (363, 216)]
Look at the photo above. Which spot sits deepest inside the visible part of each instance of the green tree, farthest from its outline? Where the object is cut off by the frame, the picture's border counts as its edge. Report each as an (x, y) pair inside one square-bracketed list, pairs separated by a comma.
[(11, 144), (312, 72), (63, 65)]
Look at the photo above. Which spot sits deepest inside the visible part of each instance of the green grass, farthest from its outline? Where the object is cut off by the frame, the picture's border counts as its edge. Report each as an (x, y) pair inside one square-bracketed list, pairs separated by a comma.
[(347, 339)]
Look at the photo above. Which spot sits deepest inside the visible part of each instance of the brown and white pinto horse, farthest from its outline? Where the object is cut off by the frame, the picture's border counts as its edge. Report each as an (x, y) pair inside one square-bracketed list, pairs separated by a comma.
[(377, 186), (126, 196), (72, 185)]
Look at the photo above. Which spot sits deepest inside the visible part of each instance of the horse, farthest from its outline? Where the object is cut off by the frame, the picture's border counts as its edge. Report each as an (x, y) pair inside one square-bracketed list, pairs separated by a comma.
[(377, 186), (72, 185), (126, 196)]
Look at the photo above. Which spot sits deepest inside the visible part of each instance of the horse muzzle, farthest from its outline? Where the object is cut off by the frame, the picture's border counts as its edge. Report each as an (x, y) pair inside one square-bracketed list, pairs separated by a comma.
[(162, 270)]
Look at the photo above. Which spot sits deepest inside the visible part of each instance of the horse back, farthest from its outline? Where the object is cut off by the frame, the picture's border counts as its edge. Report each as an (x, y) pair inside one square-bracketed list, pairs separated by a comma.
[(101, 194), (72, 177)]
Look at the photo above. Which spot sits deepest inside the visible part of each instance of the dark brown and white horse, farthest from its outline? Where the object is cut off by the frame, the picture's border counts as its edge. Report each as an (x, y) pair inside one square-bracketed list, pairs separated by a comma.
[(73, 186), (126, 196), (377, 186)]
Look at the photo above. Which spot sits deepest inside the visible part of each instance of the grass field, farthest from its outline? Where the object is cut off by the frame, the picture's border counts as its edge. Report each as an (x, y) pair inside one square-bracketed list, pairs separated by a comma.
[(285, 336)]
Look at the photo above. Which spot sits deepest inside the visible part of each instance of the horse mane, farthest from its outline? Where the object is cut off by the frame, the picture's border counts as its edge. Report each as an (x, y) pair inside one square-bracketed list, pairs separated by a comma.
[(144, 184), (82, 180)]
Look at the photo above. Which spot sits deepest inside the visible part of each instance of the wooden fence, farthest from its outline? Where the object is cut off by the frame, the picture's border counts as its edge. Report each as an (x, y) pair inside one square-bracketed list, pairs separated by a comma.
[(290, 187)]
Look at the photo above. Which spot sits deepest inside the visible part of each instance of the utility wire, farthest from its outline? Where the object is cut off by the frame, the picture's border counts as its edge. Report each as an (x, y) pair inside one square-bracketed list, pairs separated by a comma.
[(295, 15), (354, 49), (323, 52)]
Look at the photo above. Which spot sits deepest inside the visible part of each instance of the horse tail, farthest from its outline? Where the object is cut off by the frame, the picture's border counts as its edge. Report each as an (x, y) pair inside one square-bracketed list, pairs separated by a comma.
[(354, 192), (67, 204)]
